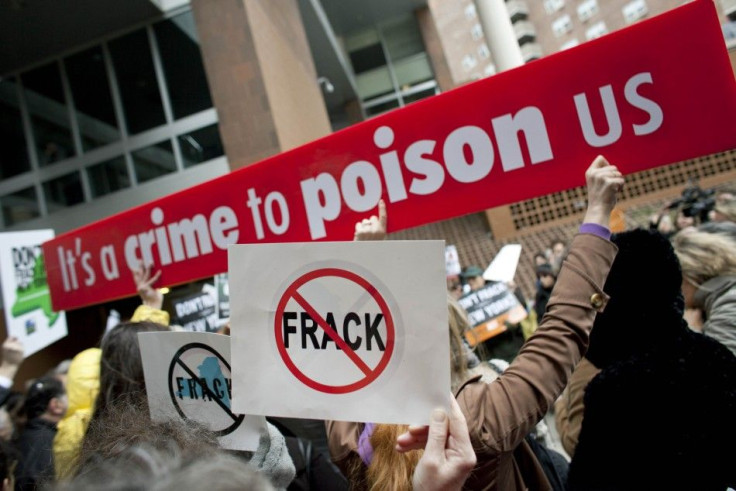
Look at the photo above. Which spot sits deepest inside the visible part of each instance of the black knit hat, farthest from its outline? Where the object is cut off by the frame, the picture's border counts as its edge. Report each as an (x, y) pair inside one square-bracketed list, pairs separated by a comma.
[(39, 395), (646, 304)]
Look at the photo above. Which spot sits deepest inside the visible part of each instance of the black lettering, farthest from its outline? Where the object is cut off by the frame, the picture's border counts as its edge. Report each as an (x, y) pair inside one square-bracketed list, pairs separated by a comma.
[(371, 331), (288, 328), (192, 383), (352, 316), (179, 387), (217, 386), (205, 390), (309, 331), (229, 388), (330, 320)]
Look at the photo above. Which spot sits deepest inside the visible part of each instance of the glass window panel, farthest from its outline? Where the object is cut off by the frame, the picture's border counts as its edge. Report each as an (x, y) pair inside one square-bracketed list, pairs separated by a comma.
[(20, 206), (63, 191), (108, 177), (49, 114), (403, 38), (182, 61), (422, 94), (201, 145), (154, 161), (361, 39), (374, 83), (14, 156), (92, 100), (367, 58), (136, 78), (381, 108), (413, 70)]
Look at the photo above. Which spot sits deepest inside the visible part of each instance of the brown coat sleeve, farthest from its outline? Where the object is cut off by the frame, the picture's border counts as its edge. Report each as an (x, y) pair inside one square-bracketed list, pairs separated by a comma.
[(501, 413), (569, 408)]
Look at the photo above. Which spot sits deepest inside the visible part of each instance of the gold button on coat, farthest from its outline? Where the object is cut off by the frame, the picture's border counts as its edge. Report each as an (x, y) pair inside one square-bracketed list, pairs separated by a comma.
[(596, 300)]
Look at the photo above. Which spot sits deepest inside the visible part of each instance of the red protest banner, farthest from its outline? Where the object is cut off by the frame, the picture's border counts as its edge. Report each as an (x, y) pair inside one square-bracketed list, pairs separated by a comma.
[(658, 92)]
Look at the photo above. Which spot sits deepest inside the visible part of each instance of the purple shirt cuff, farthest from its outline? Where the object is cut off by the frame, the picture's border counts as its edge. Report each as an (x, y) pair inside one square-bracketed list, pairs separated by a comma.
[(595, 229), (365, 449)]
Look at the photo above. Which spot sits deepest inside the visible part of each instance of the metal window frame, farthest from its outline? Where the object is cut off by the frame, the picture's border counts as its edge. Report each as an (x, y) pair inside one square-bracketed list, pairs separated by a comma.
[(36, 176)]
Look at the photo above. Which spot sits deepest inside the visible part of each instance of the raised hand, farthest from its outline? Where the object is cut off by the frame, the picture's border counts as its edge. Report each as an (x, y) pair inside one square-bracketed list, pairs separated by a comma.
[(373, 228), (144, 284), (603, 181)]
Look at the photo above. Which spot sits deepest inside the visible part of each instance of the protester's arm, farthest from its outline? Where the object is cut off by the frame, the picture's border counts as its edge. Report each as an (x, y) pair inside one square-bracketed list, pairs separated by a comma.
[(373, 228), (448, 455), (152, 299), (500, 414)]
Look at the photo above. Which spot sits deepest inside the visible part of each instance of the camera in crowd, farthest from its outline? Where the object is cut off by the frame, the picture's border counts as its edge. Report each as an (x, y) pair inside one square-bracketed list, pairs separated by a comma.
[(695, 202)]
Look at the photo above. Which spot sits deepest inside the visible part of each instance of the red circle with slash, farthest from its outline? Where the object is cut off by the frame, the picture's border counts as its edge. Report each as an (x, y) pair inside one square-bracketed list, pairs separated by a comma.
[(370, 374)]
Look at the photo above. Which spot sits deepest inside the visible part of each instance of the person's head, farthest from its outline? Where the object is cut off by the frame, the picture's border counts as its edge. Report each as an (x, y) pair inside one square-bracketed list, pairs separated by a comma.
[(540, 258), (645, 306), (124, 450), (725, 208), (121, 367), (46, 399), (473, 276), (684, 221), (558, 248), (703, 256), (546, 276)]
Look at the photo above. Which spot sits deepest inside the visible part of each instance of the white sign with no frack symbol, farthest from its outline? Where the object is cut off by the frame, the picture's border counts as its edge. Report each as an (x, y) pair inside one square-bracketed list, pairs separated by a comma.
[(351, 331), (189, 376)]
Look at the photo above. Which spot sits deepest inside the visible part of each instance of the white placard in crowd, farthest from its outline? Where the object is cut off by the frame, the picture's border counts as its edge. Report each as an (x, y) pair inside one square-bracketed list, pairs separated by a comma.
[(189, 376), (452, 261), (26, 297), (503, 267), (353, 331)]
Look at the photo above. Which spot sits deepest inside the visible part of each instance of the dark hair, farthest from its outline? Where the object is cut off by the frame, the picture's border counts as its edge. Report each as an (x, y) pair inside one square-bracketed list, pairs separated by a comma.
[(39, 395), (545, 269), (646, 304), (124, 450), (121, 368)]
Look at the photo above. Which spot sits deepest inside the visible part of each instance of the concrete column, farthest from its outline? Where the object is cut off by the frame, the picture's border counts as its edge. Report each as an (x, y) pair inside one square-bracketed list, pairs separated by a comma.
[(499, 31), (506, 53), (261, 76)]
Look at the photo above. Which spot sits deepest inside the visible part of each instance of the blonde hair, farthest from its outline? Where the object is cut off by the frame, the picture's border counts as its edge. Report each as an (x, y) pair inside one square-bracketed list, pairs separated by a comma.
[(704, 256), (726, 207), (458, 323), (389, 469)]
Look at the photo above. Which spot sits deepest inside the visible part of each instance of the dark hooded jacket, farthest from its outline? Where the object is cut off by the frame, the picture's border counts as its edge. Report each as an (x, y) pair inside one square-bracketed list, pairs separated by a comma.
[(660, 413)]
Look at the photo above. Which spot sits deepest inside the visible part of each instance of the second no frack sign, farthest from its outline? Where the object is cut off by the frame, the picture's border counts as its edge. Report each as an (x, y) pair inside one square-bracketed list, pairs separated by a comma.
[(347, 331)]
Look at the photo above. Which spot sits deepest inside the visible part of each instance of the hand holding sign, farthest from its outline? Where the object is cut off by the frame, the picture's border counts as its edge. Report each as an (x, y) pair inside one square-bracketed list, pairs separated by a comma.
[(448, 453), (603, 182)]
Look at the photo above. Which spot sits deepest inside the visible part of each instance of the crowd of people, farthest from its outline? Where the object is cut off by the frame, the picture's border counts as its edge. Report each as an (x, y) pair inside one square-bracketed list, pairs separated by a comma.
[(633, 349)]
